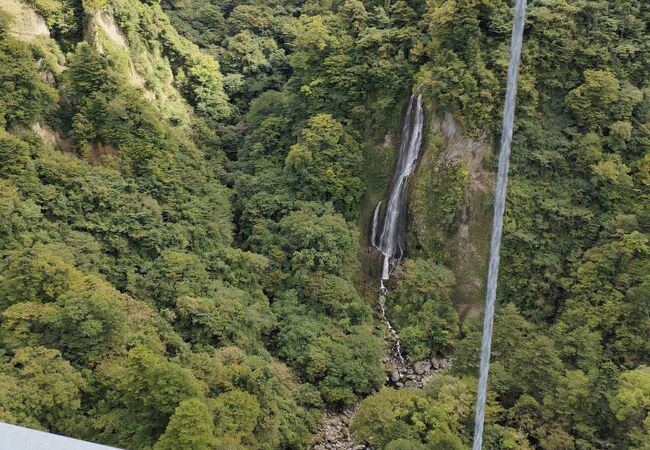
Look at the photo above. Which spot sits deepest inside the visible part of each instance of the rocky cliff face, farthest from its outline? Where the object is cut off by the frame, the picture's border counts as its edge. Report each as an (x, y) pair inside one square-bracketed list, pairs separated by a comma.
[(26, 23), (450, 206), (143, 59)]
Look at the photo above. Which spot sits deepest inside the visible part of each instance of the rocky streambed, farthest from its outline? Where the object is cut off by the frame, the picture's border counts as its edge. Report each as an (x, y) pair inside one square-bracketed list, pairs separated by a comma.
[(416, 375), (335, 433)]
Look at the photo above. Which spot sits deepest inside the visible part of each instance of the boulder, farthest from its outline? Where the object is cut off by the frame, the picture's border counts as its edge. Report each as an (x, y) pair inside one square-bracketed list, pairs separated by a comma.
[(422, 367), (440, 363)]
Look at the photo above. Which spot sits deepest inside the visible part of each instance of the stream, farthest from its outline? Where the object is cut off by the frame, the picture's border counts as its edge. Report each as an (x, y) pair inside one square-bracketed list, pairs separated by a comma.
[(387, 235), (390, 242)]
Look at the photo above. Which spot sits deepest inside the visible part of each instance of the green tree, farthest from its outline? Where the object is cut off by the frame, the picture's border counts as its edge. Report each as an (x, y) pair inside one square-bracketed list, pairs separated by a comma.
[(24, 96), (140, 393), (390, 415), (49, 388), (423, 308), (236, 416), (405, 444), (600, 99), (326, 163), (233, 317), (571, 405), (89, 73), (524, 361), (190, 427), (308, 240), (498, 437), (631, 404)]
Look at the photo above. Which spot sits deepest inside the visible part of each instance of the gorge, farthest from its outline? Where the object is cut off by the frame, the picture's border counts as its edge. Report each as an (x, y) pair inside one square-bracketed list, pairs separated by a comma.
[(200, 200)]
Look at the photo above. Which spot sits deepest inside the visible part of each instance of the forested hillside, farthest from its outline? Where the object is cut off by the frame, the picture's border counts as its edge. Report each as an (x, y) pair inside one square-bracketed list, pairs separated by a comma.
[(185, 192)]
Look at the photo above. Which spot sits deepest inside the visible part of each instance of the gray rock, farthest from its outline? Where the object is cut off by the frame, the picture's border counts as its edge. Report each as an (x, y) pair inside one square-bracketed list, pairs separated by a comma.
[(422, 367), (394, 375), (440, 363)]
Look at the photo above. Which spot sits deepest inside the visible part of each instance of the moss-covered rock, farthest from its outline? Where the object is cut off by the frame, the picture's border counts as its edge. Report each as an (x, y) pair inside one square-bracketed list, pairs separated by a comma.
[(436, 194), (450, 206)]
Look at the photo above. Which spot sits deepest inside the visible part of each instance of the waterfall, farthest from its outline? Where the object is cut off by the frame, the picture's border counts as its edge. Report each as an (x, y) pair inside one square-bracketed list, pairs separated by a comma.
[(391, 241), (499, 208), (375, 223)]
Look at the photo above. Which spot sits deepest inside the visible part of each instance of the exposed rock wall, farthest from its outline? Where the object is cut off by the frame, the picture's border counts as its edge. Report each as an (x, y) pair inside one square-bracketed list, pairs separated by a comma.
[(451, 206), (102, 30), (103, 21), (53, 138), (147, 69), (26, 23)]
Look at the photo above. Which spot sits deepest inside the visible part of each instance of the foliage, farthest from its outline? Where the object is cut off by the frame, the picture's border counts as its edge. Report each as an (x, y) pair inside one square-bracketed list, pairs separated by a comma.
[(141, 392), (46, 389), (118, 281), (197, 75), (422, 308), (190, 427), (437, 417), (25, 97), (631, 404), (63, 18), (444, 185), (325, 163), (575, 233), (181, 222)]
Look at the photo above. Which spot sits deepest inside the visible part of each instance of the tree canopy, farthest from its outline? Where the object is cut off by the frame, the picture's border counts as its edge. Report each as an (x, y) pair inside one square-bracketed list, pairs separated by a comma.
[(185, 189)]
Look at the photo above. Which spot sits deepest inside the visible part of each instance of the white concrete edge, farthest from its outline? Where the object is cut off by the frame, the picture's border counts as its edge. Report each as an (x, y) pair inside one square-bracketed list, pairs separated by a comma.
[(13, 437)]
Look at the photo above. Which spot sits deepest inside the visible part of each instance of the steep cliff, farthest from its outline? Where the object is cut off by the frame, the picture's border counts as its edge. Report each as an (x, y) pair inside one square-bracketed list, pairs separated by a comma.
[(450, 206)]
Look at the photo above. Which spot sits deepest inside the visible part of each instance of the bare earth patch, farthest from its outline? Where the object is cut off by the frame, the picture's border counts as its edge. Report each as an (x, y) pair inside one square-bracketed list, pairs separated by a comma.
[(26, 23)]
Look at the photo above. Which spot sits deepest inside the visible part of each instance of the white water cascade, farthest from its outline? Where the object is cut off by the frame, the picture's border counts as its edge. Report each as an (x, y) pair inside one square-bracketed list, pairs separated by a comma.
[(391, 241), (499, 208), (375, 223)]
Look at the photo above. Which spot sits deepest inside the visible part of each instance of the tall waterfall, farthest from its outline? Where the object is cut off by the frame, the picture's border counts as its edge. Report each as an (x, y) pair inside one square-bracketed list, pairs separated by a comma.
[(499, 208), (375, 224), (391, 241)]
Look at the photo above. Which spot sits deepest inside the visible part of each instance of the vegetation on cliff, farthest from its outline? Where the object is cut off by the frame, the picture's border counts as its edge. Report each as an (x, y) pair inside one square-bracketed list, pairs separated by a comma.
[(181, 183)]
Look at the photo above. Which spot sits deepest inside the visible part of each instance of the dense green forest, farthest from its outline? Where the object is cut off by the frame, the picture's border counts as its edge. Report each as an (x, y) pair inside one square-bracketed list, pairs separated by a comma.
[(184, 191)]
